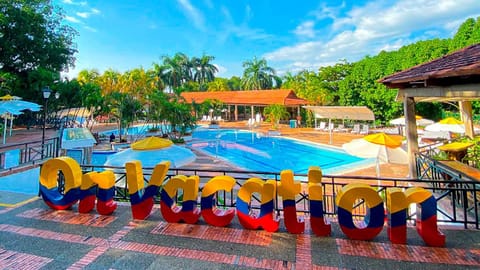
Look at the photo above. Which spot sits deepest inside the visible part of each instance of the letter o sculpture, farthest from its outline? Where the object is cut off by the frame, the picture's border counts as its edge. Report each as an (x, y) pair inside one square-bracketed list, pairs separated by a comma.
[(374, 218)]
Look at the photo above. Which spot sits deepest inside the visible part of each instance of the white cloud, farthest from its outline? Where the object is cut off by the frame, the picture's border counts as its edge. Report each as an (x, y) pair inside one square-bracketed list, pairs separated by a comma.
[(242, 30), (91, 29), (305, 29), (72, 19), (83, 14), (376, 26), (71, 2), (193, 14)]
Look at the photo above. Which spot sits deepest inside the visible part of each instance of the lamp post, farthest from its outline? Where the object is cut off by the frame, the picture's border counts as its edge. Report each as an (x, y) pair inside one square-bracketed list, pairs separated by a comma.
[(46, 94)]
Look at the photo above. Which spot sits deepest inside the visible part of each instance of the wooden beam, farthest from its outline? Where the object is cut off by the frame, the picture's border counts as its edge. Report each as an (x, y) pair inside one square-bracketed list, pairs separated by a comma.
[(467, 91)]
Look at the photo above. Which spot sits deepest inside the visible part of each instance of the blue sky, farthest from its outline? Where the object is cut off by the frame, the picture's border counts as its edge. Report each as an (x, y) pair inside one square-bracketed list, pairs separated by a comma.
[(290, 35)]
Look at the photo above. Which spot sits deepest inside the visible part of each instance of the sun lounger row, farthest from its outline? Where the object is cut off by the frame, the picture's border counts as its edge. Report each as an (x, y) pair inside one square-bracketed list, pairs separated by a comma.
[(341, 128), (364, 130), (207, 118)]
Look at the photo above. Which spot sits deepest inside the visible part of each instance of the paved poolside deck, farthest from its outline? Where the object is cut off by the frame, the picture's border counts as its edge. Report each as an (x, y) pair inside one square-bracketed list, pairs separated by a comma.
[(33, 236)]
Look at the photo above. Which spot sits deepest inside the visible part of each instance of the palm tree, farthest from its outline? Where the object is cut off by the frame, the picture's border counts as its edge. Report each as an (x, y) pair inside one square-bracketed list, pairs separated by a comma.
[(124, 107), (204, 71), (258, 75), (158, 72), (177, 70)]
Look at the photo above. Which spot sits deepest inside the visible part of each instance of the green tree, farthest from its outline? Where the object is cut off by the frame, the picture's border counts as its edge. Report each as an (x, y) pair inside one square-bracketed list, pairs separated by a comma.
[(124, 108), (204, 71), (32, 35), (218, 84), (274, 113), (258, 75), (176, 70), (234, 83)]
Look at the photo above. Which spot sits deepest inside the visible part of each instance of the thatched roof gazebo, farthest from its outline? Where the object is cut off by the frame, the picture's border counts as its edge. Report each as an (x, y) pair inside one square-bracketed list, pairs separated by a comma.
[(451, 78)]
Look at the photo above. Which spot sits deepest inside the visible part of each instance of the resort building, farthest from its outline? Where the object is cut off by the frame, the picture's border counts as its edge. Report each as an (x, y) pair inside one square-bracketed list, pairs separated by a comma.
[(247, 103)]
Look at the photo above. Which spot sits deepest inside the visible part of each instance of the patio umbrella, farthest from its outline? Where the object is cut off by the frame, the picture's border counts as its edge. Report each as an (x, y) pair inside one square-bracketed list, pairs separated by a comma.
[(420, 121), (11, 106), (449, 124), (383, 147)]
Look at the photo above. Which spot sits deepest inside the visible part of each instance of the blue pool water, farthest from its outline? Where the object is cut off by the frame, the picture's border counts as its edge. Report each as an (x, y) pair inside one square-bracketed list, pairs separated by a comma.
[(255, 152), (135, 130)]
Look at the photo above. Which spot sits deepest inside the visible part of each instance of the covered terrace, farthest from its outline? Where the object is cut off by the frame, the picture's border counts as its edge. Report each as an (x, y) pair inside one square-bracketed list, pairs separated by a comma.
[(451, 78), (360, 113), (251, 99)]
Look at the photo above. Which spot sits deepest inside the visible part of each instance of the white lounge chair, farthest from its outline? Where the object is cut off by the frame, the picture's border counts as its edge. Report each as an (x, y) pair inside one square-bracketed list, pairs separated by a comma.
[(365, 129), (330, 127), (356, 129), (321, 126), (340, 128)]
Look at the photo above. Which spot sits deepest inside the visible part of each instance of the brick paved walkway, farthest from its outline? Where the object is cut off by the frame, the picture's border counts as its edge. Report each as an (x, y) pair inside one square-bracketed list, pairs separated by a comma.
[(34, 237)]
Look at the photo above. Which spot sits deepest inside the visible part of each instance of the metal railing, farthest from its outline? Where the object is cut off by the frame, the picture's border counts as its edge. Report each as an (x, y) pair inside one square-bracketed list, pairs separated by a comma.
[(451, 196), (462, 191), (21, 154)]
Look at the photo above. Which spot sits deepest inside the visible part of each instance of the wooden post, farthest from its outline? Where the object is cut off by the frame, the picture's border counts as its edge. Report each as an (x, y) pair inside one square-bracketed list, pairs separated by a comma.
[(466, 114), (412, 136)]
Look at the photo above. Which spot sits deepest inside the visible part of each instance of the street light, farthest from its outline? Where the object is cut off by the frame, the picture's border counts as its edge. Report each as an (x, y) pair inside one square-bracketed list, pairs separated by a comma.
[(46, 94)]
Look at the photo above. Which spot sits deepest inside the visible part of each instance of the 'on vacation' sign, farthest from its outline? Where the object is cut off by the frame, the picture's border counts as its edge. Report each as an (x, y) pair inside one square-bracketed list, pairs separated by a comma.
[(96, 188)]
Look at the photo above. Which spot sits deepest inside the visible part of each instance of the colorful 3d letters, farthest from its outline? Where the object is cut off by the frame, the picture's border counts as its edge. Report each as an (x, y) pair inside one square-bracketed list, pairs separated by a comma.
[(427, 221), (288, 189), (210, 213), (48, 182), (373, 223), (140, 198), (99, 187), (320, 226), (265, 219), (188, 212)]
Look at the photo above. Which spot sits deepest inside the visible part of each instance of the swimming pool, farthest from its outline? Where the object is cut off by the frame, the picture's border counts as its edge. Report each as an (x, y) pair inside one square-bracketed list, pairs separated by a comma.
[(136, 130), (256, 152)]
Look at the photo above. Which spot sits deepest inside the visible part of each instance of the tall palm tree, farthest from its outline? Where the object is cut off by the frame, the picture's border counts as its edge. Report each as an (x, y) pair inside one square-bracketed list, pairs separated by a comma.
[(177, 70), (258, 75), (158, 71), (204, 71)]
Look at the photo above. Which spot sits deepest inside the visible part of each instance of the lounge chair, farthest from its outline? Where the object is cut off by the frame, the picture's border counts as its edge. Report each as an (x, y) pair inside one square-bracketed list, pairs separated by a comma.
[(365, 129), (321, 126), (356, 129), (340, 128), (330, 127)]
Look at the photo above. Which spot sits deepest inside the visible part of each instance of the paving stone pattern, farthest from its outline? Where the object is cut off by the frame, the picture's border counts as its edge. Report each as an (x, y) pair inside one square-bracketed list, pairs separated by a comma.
[(34, 237)]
